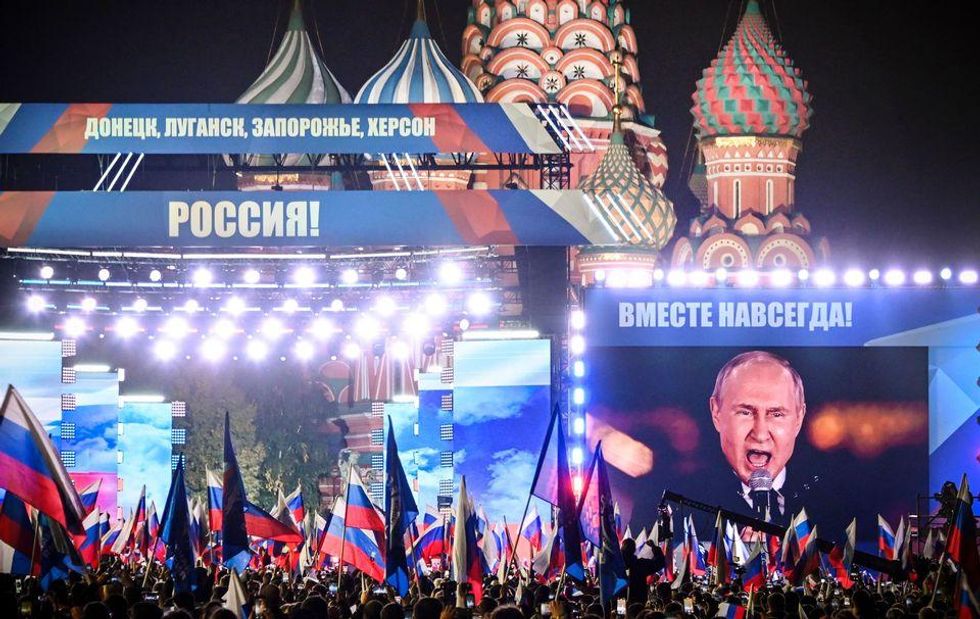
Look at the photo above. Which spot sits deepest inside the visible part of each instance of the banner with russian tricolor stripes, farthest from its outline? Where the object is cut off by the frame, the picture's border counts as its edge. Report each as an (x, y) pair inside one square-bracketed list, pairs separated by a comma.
[(299, 218), (216, 128)]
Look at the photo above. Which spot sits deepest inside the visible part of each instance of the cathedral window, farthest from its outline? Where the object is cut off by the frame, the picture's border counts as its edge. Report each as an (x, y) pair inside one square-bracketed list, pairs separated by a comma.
[(737, 198), (770, 197)]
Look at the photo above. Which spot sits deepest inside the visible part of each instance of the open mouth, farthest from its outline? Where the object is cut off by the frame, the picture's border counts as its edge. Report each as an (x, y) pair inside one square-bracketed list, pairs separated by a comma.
[(758, 458)]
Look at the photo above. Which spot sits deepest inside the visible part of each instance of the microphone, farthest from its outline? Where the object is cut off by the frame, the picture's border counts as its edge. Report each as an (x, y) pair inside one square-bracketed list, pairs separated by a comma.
[(760, 483)]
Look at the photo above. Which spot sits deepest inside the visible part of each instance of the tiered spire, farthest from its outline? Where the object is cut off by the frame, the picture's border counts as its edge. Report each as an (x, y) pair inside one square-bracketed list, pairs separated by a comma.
[(752, 87)]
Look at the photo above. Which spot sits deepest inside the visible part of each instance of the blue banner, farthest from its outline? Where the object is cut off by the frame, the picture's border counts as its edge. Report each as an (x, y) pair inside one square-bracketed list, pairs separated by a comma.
[(783, 317), (202, 128)]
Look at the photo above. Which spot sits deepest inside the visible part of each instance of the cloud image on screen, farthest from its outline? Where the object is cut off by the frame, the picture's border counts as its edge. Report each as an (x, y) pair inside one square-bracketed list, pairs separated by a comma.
[(146, 448)]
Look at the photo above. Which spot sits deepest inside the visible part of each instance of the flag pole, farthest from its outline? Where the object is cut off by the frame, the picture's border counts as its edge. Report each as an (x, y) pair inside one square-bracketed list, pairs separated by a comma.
[(343, 533), (37, 530)]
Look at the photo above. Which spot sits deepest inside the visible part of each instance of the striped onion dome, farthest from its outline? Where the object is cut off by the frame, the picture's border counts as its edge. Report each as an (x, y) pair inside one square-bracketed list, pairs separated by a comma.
[(419, 73), (296, 73), (752, 87), (632, 207)]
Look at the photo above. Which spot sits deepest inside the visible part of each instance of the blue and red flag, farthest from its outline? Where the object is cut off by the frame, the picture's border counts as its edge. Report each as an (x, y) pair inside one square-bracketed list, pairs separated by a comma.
[(57, 555), (612, 567), (352, 546), (110, 537), (215, 490), (17, 531), (719, 556), (140, 531), (961, 546), (730, 610), (432, 542), (90, 545), (697, 562), (841, 558), (176, 533), (263, 525), (234, 534), (31, 467), (90, 495), (886, 539), (809, 561), (801, 529), (294, 503), (754, 576), (531, 531), (361, 512), (468, 564), (400, 513)]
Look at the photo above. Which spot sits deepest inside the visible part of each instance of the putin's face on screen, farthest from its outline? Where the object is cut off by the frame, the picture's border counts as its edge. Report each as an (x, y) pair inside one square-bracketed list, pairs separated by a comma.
[(758, 410)]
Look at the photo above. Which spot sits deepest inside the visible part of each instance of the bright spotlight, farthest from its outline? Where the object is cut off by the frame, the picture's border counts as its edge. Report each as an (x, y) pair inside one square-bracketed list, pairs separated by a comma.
[(224, 328), (780, 278), (617, 278), (337, 305), (450, 273), (127, 327), (874, 274), (479, 304), (824, 278), (676, 278), (578, 396), (176, 327), (401, 274), (165, 350), (89, 304), (367, 327), (140, 305), (578, 369), (74, 327), (968, 277), (721, 275), (257, 350), (352, 351), (576, 344), (290, 306), (349, 277), (36, 303), (894, 277), (577, 319), (922, 277), (321, 329), (658, 275), (946, 274), (399, 349), (385, 306), (202, 277), (252, 277), (698, 278), (212, 349), (803, 275), (854, 278), (155, 275), (600, 275), (639, 278), (104, 274), (464, 324), (578, 426), (47, 271), (416, 326), (272, 328), (435, 304), (305, 276), (235, 306), (748, 278), (577, 455), (304, 350), (191, 306)]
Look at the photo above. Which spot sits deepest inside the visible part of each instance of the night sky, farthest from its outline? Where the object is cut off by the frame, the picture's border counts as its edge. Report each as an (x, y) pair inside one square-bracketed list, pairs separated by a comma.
[(888, 170)]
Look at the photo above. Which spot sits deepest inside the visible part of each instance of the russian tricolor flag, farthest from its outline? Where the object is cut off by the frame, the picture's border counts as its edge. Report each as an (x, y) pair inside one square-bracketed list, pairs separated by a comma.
[(260, 523), (730, 611), (17, 532), (90, 495), (360, 547), (215, 486), (90, 545), (294, 503), (31, 468), (532, 529), (754, 577), (886, 539), (361, 512)]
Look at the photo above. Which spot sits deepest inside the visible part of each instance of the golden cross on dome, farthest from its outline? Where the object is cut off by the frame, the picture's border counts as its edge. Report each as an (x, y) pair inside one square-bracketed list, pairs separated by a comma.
[(616, 57)]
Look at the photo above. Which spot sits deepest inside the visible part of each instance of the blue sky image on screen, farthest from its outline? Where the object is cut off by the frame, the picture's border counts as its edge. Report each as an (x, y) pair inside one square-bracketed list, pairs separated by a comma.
[(95, 417), (34, 369), (145, 446), (501, 408)]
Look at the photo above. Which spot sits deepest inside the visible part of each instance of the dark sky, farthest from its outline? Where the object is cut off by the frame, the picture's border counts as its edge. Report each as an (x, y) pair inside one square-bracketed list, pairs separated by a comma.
[(889, 170)]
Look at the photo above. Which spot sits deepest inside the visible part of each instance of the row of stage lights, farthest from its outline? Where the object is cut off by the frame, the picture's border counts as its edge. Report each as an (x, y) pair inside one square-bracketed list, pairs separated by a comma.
[(448, 273), (781, 278), (576, 418)]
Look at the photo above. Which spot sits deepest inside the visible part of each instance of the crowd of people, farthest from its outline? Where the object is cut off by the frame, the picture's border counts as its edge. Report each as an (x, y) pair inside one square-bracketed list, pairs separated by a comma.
[(124, 590)]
